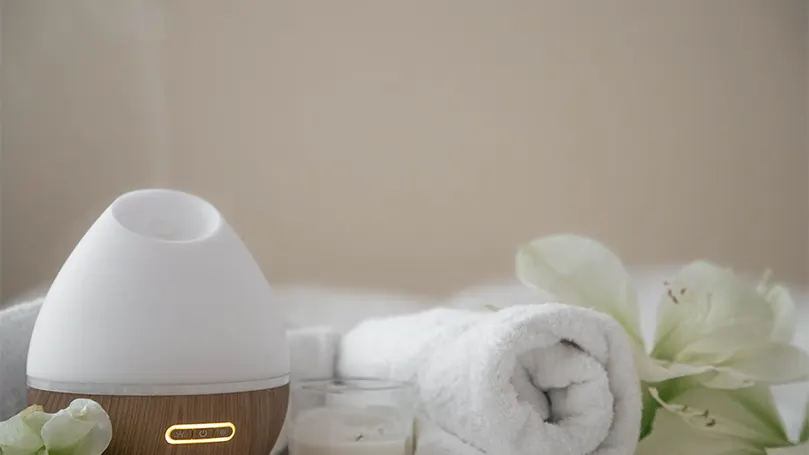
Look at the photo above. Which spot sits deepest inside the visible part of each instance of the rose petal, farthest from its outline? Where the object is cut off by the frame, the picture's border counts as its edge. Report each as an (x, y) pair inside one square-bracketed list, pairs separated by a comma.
[(19, 435), (83, 428), (64, 432)]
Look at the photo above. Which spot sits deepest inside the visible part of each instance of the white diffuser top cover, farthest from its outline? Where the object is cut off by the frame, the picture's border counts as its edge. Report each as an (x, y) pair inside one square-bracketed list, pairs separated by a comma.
[(160, 297)]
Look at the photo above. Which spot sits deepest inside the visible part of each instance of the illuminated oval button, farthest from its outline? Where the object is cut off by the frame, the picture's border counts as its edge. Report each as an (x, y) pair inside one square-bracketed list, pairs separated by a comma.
[(181, 434), (223, 432), (199, 433)]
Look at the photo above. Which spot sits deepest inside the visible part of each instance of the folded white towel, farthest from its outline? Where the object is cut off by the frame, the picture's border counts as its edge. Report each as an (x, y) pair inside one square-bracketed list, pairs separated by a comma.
[(434, 440), (546, 379)]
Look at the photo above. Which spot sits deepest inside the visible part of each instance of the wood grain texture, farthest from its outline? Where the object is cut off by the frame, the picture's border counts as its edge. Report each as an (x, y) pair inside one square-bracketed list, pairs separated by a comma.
[(140, 422)]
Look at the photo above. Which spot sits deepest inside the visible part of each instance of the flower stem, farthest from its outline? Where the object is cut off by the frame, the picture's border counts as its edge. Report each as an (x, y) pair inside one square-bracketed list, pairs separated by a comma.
[(650, 407)]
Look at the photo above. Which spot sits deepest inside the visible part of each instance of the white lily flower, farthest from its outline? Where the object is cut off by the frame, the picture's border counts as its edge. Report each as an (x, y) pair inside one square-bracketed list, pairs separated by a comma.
[(714, 330), (712, 326), (720, 422), (714, 320)]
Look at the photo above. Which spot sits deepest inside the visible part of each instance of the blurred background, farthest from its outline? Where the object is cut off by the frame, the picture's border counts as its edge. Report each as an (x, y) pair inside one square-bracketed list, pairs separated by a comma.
[(413, 145)]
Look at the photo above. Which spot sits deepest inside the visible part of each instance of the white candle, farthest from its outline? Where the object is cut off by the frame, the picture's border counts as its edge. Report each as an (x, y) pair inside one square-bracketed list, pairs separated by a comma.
[(350, 431)]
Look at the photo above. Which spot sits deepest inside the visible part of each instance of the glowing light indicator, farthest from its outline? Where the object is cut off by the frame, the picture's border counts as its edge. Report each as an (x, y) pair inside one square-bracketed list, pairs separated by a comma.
[(200, 433)]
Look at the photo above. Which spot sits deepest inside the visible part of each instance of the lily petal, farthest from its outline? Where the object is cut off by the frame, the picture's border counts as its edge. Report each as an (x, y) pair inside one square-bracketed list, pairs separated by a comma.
[(726, 379), (581, 271), (783, 306), (673, 436), (708, 314), (773, 363), (747, 414), (798, 449), (655, 371)]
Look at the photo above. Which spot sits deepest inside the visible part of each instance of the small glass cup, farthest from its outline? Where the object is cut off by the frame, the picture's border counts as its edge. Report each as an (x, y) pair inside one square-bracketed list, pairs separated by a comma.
[(352, 416)]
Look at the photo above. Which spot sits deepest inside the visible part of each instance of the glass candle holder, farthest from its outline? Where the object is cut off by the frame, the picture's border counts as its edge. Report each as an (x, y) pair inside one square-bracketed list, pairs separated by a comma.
[(352, 416)]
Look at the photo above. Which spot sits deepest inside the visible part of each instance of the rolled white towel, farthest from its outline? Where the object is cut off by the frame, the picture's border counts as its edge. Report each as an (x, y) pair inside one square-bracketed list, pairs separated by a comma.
[(546, 379)]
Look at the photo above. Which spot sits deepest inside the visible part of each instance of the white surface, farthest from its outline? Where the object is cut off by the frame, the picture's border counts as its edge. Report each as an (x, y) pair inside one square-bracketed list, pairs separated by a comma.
[(481, 376), (159, 292), (348, 431)]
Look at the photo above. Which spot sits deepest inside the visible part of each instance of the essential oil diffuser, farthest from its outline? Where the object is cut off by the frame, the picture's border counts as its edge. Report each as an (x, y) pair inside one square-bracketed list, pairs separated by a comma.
[(163, 317)]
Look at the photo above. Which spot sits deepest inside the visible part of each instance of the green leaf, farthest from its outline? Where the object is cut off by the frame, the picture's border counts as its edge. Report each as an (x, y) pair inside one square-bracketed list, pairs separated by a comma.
[(581, 271), (650, 407), (805, 427)]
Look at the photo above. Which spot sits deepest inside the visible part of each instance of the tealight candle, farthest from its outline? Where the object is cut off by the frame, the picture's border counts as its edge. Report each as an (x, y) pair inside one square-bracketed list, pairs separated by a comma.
[(349, 431), (352, 417)]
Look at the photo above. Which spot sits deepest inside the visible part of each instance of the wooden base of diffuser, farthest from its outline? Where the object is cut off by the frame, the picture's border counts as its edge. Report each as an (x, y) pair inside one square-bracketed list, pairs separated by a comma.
[(140, 423)]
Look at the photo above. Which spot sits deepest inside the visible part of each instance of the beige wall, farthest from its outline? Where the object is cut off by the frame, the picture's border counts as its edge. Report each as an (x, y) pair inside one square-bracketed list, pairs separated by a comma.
[(413, 145)]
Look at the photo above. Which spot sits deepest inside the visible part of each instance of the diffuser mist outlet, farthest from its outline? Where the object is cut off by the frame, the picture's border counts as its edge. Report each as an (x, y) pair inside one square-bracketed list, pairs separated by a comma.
[(162, 316)]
